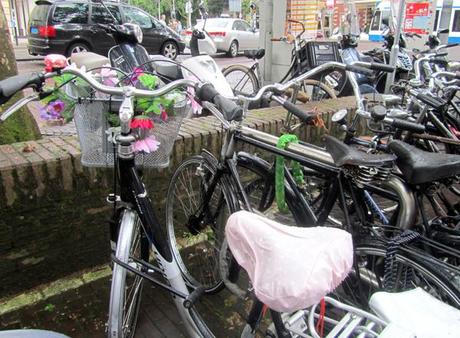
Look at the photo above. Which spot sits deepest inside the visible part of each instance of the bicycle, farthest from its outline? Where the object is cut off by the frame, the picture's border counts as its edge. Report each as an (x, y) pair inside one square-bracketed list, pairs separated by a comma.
[(247, 80), (138, 229), (208, 179)]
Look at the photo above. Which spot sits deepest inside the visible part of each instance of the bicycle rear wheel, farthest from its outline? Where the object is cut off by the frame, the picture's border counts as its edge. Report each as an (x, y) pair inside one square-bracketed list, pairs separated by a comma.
[(126, 289), (241, 79)]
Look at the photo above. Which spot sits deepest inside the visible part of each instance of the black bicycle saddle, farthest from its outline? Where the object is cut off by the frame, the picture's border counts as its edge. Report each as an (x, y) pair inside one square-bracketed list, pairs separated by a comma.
[(343, 154)]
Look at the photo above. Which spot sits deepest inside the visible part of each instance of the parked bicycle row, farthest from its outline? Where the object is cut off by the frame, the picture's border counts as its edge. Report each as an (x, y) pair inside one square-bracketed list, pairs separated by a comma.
[(373, 250)]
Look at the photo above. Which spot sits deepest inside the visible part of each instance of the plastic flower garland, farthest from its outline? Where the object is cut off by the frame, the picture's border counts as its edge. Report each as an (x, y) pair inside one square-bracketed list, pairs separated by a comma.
[(60, 106)]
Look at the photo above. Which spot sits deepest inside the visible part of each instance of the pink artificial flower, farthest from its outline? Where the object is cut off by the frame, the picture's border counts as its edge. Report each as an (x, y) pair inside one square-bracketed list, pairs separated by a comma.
[(164, 115), (146, 145), (142, 123), (109, 76), (196, 107), (136, 73)]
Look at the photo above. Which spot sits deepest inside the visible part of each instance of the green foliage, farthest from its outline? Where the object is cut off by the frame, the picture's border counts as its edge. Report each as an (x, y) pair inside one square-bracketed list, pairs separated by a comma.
[(50, 307), (215, 8)]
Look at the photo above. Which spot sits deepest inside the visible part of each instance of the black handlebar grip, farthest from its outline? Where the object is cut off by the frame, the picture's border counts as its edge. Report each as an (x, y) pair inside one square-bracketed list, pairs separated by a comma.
[(230, 110), (206, 92), (409, 126), (360, 70), (193, 297), (382, 67), (452, 45), (435, 103), (13, 84), (295, 110)]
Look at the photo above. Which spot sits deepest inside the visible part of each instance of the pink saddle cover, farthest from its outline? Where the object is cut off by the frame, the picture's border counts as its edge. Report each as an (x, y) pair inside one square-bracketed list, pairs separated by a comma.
[(291, 268)]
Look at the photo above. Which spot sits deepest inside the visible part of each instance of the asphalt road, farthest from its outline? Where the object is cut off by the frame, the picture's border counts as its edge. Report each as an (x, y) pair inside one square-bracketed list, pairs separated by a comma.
[(221, 59)]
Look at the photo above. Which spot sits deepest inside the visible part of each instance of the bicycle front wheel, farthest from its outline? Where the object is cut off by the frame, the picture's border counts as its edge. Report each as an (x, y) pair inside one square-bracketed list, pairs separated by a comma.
[(195, 227), (126, 289)]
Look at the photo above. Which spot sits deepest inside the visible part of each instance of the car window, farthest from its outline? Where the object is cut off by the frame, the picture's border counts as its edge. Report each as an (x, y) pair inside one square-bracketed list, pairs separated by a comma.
[(237, 26), (71, 13), (133, 15), (100, 15), (245, 26), (39, 13)]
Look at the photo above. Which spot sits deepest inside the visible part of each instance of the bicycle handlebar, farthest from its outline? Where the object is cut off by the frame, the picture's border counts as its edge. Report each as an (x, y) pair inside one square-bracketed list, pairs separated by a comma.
[(230, 110), (293, 109), (10, 86), (13, 84)]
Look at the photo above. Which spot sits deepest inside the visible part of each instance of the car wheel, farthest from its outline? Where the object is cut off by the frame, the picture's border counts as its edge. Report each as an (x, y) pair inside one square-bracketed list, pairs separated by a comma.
[(233, 50), (170, 50), (78, 47)]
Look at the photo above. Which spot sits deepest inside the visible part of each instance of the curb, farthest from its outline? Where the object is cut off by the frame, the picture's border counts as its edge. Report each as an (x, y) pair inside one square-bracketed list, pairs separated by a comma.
[(43, 292)]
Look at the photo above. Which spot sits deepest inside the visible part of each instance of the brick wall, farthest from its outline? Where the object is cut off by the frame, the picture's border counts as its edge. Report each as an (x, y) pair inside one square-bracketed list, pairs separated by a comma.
[(53, 215)]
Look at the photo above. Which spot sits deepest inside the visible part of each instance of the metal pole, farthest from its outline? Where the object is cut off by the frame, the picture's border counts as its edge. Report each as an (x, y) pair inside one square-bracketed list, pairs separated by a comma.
[(266, 33), (159, 10), (395, 47), (188, 7), (444, 19)]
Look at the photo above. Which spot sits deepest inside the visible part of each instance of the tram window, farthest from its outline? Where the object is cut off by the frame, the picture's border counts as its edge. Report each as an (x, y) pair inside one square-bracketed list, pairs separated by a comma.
[(456, 23), (385, 19), (375, 21), (436, 20)]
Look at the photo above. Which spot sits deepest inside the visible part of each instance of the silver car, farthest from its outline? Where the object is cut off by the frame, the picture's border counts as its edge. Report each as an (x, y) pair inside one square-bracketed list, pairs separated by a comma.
[(229, 35)]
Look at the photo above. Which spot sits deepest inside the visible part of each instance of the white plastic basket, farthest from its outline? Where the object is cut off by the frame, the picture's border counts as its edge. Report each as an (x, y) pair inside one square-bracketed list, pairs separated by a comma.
[(94, 133)]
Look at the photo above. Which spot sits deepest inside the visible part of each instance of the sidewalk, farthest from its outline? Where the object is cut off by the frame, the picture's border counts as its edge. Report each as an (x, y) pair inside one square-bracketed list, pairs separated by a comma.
[(21, 52)]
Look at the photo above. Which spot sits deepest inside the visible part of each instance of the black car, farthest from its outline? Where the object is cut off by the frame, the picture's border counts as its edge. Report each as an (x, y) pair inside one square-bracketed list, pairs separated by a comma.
[(66, 27)]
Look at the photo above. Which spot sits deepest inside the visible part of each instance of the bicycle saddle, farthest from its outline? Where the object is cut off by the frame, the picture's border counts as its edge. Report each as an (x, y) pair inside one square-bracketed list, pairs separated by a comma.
[(290, 267), (419, 166), (164, 67), (31, 334), (254, 54), (343, 154)]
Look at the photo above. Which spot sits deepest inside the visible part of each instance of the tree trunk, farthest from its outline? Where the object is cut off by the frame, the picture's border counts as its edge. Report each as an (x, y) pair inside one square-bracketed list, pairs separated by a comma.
[(22, 125)]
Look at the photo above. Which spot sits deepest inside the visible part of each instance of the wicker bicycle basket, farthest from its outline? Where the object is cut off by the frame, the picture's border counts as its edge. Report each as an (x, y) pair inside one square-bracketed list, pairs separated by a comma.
[(95, 135)]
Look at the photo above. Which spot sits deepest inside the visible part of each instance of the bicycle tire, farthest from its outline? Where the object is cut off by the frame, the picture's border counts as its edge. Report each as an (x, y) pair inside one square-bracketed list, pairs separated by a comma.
[(196, 254), (423, 273), (238, 76), (130, 242), (317, 84)]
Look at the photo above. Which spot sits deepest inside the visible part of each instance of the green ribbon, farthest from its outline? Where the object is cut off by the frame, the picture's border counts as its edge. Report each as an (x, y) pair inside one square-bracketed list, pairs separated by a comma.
[(283, 142)]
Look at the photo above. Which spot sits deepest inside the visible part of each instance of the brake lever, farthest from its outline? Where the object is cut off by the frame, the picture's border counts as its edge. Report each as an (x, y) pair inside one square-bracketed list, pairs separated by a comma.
[(18, 105)]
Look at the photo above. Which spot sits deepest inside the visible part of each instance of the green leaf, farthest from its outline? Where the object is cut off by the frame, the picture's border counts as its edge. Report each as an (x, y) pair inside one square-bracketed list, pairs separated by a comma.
[(154, 108), (50, 307), (148, 80), (113, 119)]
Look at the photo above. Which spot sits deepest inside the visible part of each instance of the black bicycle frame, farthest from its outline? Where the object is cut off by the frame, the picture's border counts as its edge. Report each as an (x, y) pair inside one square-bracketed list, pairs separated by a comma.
[(133, 192)]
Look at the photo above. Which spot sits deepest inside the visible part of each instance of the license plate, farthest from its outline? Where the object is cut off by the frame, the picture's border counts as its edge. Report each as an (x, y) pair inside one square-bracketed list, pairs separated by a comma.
[(34, 30)]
